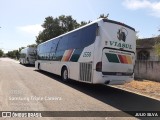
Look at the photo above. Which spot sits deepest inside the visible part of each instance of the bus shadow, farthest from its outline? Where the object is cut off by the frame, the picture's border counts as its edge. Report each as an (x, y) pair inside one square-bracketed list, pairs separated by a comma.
[(120, 99), (27, 65)]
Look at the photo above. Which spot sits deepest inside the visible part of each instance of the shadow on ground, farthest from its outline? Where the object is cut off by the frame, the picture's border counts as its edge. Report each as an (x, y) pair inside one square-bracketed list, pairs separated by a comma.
[(27, 65), (120, 99)]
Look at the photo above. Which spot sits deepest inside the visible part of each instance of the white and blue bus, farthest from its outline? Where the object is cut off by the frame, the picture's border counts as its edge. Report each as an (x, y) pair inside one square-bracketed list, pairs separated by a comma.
[(28, 55), (101, 52)]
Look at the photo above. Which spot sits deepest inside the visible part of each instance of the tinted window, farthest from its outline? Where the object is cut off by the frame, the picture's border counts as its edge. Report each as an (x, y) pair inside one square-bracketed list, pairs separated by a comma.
[(74, 40), (88, 35), (78, 39), (63, 43), (47, 50), (48, 46), (54, 45)]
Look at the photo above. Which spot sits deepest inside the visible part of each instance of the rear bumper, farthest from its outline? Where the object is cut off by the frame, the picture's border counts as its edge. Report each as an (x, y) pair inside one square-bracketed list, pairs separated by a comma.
[(32, 62), (110, 79)]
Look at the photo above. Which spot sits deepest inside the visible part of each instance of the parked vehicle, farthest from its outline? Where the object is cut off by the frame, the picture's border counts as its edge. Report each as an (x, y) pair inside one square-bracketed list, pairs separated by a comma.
[(28, 55), (101, 52)]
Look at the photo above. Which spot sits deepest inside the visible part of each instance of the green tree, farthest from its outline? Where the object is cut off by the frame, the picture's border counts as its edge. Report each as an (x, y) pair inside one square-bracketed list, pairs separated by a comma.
[(51, 29), (13, 54), (19, 50), (1, 53), (104, 16), (157, 45), (54, 27), (32, 45), (83, 23), (67, 23)]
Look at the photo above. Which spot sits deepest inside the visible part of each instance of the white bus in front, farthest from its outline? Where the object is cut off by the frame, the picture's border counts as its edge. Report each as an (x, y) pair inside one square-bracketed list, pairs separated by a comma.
[(100, 52), (28, 55)]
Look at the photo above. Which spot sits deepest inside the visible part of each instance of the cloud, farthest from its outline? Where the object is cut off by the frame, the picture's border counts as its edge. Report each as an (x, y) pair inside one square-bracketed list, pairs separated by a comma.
[(153, 7), (31, 29)]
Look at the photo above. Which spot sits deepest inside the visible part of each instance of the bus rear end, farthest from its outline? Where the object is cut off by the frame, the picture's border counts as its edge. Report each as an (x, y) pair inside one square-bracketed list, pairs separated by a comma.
[(32, 55), (117, 46)]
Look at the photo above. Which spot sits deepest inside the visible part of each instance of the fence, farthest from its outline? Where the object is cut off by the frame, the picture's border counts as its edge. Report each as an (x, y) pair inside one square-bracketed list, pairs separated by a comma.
[(149, 70)]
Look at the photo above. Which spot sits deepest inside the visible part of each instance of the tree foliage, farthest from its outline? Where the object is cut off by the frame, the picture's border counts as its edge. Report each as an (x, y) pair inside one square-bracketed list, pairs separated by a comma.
[(54, 27), (83, 23), (32, 45), (104, 16), (1, 53), (13, 54), (157, 49), (19, 50), (157, 45)]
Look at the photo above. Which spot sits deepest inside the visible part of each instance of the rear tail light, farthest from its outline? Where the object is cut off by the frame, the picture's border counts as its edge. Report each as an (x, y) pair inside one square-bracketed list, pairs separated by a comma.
[(99, 67)]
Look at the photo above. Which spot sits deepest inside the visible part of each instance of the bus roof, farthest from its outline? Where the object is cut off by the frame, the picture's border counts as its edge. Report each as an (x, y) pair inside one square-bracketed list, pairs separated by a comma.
[(119, 23), (96, 21)]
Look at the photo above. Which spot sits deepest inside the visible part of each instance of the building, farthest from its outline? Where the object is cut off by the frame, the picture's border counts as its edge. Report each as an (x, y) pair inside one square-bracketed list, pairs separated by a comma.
[(145, 49)]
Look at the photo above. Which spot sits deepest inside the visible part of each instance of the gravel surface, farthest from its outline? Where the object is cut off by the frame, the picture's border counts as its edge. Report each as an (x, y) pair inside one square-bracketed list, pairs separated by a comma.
[(144, 87)]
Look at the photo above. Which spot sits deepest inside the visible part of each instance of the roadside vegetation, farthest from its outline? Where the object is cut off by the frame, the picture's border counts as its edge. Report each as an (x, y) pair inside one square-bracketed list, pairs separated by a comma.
[(157, 46), (1, 53)]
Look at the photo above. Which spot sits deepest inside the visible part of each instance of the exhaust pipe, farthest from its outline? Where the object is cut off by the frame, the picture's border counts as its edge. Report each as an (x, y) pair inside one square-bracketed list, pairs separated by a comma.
[(107, 82)]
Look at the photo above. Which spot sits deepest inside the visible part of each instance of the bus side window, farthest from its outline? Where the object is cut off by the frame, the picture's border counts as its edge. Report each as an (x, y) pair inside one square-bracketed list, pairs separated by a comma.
[(54, 45), (88, 35), (63, 43), (74, 40)]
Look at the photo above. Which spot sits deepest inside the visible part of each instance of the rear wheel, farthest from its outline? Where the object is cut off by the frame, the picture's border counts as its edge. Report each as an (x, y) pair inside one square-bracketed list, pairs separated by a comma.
[(38, 66), (20, 61), (64, 74)]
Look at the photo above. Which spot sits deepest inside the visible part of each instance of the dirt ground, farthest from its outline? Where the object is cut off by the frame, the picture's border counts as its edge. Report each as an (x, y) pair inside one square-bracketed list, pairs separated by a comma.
[(145, 87)]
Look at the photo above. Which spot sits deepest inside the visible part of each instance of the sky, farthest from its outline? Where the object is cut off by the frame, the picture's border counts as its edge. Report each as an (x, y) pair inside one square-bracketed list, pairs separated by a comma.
[(21, 20)]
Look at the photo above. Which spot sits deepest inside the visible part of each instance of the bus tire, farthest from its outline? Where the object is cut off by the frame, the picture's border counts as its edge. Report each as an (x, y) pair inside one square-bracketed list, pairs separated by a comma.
[(38, 66), (64, 74)]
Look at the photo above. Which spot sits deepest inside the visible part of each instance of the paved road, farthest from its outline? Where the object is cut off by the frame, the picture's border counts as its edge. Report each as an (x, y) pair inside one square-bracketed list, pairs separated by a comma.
[(25, 88)]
